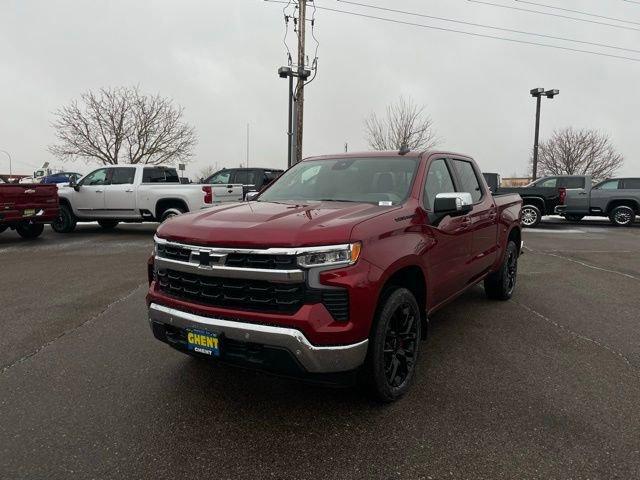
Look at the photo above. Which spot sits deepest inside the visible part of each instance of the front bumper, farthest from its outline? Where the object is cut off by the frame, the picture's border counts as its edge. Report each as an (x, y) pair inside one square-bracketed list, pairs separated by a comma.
[(313, 359)]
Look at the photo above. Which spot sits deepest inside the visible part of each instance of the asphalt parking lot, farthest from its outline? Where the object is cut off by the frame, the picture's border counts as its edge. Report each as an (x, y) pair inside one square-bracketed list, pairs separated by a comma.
[(543, 386)]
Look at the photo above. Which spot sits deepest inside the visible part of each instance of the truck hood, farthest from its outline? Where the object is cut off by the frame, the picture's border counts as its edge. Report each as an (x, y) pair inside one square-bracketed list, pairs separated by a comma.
[(268, 224)]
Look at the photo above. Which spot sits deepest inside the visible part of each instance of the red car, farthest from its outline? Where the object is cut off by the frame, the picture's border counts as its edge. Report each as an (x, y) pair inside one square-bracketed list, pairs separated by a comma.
[(333, 271), (26, 208)]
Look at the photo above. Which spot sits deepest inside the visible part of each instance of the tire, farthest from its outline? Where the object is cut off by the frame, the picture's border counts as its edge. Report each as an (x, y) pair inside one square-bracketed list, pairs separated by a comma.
[(392, 357), (108, 224), (171, 212), (500, 285), (30, 230), (622, 216), (573, 218), (66, 221), (531, 216)]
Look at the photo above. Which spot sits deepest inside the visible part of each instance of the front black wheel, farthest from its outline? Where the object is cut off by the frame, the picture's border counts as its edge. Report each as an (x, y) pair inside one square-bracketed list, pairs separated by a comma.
[(394, 345), (66, 221), (500, 285), (108, 224), (30, 230), (622, 216)]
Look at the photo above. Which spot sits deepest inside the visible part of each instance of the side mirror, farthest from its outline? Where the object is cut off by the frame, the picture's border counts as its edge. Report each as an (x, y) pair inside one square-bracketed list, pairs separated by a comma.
[(453, 204), (250, 196)]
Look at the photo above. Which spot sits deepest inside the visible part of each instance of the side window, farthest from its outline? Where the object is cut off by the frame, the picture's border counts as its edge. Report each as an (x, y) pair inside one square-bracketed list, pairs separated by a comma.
[(438, 181), (160, 175), (239, 176), (572, 182), (610, 185), (548, 183), (97, 177), (122, 176), (219, 178), (631, 184), (468, 179)]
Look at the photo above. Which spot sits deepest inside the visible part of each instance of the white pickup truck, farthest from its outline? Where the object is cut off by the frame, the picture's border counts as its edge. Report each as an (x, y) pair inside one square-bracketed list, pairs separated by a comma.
[(135, 193)]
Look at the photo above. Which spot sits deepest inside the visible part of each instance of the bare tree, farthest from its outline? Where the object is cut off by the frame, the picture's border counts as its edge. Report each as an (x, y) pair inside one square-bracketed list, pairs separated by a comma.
[(122, 125), (404, 124), (579, 152)]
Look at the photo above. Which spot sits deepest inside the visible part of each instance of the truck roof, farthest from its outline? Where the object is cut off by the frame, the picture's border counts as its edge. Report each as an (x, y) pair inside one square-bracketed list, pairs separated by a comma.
[(388, 153)]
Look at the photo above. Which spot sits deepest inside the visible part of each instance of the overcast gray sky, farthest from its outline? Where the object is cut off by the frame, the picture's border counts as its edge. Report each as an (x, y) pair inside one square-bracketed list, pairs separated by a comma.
[(218, 59)]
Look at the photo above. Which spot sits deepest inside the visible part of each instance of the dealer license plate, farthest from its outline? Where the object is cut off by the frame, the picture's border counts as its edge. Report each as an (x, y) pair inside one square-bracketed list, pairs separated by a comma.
[(204, 342), (29, 212)]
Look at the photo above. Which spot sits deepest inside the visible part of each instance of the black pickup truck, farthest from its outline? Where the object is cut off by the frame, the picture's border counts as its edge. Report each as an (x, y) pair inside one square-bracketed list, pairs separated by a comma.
[(544, 195)]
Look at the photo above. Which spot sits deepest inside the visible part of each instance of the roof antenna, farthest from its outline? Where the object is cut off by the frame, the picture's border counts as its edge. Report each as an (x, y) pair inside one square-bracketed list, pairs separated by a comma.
[(404, 149)]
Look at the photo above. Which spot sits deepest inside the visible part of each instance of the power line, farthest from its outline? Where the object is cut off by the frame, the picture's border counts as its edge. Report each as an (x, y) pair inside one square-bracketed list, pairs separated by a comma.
[(491, 27), (555, 15), (471, 34), (577, 11)]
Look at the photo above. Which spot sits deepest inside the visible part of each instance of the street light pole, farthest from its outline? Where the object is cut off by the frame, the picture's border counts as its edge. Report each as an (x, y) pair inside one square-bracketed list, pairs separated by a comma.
[(538, 93), (288, 72), (10, 167)]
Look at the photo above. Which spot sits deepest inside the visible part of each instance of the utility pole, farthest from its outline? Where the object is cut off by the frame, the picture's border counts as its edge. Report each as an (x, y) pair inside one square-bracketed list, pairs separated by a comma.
[(299, 98), (247, 165), (10, 166), (537, 93)]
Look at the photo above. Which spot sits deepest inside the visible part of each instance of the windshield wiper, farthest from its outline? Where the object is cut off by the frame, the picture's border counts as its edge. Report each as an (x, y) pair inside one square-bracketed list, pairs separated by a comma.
[(339, 200)]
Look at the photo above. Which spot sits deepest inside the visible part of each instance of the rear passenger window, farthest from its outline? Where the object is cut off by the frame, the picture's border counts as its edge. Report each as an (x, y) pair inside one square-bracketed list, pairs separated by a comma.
[(468, 179), (438, 181), (573, 182), (610, 185), (632, 184), (160, 175), (122, 176)]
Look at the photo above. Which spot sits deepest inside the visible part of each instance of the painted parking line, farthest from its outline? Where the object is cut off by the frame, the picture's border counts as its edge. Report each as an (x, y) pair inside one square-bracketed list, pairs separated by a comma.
[(552, 230)]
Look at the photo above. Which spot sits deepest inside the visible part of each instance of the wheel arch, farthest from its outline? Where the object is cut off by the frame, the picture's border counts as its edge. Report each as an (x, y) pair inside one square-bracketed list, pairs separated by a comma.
[(537, 202), (411, 277), (165, 203), (623, 202)]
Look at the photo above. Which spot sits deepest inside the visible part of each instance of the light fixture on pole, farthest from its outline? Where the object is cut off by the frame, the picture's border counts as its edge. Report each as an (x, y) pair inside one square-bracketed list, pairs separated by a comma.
[(10, 167)]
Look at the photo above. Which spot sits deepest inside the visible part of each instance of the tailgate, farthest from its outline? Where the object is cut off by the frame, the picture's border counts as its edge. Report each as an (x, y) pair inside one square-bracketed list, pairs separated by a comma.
[(20, 197), (227, 193)]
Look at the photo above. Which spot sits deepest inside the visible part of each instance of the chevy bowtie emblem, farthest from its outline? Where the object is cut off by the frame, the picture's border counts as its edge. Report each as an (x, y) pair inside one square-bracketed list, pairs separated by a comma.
[(207, 259)]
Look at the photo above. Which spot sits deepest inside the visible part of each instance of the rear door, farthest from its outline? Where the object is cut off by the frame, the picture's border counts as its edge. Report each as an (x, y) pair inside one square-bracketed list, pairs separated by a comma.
[(450, 238), (483, 217), (120, 195), (631, 187), (602, 194)]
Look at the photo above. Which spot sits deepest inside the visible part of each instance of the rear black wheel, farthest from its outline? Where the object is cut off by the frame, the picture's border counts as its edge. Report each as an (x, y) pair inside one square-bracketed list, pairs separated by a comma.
[(531, 216), (66, 221), (394, 345), (501, 284), (30, 230), (108, 224)]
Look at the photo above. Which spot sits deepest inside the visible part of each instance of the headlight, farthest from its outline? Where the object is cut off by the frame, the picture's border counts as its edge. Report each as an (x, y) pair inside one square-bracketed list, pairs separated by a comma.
[(325, 256)]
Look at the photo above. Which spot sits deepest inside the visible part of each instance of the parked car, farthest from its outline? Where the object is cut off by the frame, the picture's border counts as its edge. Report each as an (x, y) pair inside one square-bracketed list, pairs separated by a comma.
[(544, 195), (62, 177), (335, 269), (252, 179), (27, 208), (617, 198), (135, 193)]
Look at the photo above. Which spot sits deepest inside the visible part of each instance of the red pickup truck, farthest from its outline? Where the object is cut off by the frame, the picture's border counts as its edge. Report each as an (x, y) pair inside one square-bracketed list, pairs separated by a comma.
[(27, 207), (334, 270)]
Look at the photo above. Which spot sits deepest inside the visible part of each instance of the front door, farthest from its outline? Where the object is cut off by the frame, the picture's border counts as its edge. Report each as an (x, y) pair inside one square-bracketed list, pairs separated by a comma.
[(484, 218), (88, 200), (120, 195), (448, 242)]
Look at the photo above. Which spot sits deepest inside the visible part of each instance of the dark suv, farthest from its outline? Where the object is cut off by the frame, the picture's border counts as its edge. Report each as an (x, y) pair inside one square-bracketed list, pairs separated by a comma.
[(251, 179)]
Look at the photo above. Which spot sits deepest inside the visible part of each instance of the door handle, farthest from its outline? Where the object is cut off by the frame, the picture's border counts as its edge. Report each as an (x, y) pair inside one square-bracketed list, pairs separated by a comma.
[(129, 191), (582, 193), (99, 191)]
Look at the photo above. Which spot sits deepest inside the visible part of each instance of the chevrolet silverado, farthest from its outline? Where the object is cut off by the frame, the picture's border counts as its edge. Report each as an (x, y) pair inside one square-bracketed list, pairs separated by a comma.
[(26, 208), (334, 270)]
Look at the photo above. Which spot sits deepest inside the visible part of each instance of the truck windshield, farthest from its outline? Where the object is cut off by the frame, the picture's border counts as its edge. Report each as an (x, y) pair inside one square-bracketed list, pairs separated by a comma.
[(381, 180)]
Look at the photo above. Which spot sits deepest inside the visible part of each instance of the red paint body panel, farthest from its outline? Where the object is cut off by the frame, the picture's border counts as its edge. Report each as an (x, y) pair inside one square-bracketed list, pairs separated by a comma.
[(452, 255), (18, 197)]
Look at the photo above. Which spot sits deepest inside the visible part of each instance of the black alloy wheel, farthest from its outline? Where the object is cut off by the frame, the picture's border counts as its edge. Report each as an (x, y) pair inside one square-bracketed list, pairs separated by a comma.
[(400, 345)]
